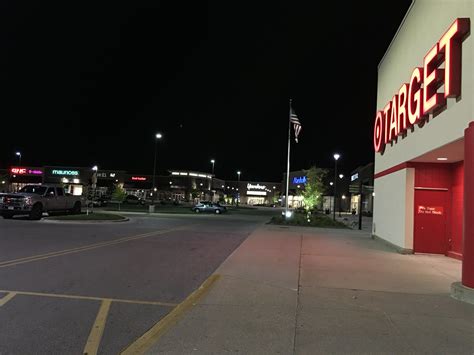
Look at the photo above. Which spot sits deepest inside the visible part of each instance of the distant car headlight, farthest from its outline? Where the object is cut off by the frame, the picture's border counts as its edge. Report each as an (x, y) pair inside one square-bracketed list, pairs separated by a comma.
[(28, 201)]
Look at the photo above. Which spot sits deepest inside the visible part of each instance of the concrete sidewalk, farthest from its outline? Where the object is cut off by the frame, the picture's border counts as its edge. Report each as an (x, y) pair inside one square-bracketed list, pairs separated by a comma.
[(319, 291)]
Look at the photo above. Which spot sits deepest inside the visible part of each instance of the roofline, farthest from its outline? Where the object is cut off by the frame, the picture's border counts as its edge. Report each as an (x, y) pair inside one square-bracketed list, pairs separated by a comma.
[(362, 167), (396, 34), (255, 182)]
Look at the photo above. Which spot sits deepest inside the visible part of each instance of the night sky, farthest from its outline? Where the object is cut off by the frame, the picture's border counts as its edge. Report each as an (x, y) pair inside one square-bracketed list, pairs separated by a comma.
[(92, 84)]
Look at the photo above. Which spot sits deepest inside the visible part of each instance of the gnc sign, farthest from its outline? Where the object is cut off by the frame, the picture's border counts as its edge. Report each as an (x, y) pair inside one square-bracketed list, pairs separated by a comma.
[(416, 99)]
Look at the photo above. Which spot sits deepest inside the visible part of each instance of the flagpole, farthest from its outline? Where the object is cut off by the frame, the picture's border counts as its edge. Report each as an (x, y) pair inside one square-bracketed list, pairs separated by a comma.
[(288, 162)]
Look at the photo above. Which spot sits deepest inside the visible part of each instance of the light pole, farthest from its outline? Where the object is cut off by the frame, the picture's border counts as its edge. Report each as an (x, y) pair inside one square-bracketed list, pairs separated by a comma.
[(18, 154), (238, 186), (212, 177), (158, 136), (212, 162), (331, 202), (336, 158), (93, 186), (343, 197)]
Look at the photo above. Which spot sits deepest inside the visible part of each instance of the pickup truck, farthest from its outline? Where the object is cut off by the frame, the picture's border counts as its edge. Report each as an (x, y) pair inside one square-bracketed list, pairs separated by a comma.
[(33, 200)]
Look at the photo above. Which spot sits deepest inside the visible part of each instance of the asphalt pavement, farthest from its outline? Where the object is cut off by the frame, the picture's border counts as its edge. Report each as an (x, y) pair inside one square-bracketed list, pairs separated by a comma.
[(95, 288)]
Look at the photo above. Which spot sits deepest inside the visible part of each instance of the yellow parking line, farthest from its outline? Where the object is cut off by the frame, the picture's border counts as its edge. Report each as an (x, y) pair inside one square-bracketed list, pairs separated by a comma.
[(97, 330), (74, 249), (7, 298), (145, 342), (91, 298), (33, 258)]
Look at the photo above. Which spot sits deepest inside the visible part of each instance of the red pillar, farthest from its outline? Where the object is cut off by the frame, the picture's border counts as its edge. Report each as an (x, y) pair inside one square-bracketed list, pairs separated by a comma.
[(468, 235)]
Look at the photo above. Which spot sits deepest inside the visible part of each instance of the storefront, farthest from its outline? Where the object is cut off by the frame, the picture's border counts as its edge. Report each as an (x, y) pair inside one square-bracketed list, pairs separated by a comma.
[(138, 185), (72, 178), (362, 190), (252, 193), (424, 135), (297, 183), (107, 179), (4, 180), (189, 185), (20, 176)]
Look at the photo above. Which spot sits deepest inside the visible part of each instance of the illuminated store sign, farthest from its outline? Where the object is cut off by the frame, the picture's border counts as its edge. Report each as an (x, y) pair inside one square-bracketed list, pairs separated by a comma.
[(190, 174), (418, 98), (65, 172), (25, 171), (256, 193), (105, 175), (256, 187), (299, 180), (138, 178)]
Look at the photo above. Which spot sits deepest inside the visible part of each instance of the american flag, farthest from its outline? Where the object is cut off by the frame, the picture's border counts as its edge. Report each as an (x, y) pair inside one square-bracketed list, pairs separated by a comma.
[(296, 124)]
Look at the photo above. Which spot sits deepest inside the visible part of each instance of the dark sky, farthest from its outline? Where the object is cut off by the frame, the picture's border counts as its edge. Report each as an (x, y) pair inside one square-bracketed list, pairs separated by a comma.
[(91, 84)]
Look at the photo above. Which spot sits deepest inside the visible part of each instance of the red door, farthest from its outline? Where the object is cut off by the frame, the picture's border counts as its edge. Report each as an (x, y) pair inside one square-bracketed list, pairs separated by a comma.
[(430, 221)]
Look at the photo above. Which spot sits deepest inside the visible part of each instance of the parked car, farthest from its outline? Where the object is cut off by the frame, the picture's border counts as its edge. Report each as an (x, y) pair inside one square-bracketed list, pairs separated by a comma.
[(210, 207), (134, 200), (169, 201), (100, 202), (33, 200)]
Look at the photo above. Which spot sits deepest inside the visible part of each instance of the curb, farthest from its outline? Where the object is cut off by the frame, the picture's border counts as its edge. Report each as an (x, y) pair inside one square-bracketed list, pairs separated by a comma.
[(152, 335), (462, 293), (57, 221)]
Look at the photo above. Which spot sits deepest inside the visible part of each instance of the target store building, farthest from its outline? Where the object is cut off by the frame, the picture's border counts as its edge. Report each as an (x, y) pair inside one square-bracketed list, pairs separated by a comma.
[(424, 135)]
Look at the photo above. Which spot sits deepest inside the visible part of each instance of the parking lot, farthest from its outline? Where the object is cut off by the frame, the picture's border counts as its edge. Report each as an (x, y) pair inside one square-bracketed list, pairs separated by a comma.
[(87, 288)]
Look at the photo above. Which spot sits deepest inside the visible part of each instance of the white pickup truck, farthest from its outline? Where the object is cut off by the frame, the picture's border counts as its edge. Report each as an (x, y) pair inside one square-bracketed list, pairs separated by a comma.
[(33, 200)]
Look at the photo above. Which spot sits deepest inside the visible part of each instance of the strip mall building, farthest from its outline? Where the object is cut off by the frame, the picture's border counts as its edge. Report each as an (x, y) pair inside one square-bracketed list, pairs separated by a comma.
[(424, 134)]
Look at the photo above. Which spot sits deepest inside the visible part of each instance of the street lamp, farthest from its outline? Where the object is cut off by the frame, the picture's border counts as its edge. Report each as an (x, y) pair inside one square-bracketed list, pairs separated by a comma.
[(336, 158), (238, 184), (94, 178), (91, 195), (212, 177), (212, 162), (158, 136), (343, 197), (18, 154)]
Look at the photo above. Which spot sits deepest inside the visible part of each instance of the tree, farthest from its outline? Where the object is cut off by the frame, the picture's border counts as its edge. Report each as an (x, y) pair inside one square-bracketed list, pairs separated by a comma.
[(314, 187), (119, 194)]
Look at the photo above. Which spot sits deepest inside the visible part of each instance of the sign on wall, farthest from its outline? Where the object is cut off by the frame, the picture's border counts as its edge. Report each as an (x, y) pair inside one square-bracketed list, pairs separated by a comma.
[(26, 171), (106, 175), (436, 210), (65, 172), (416, 100), (299, 180), (256, 187), (256, 193)]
